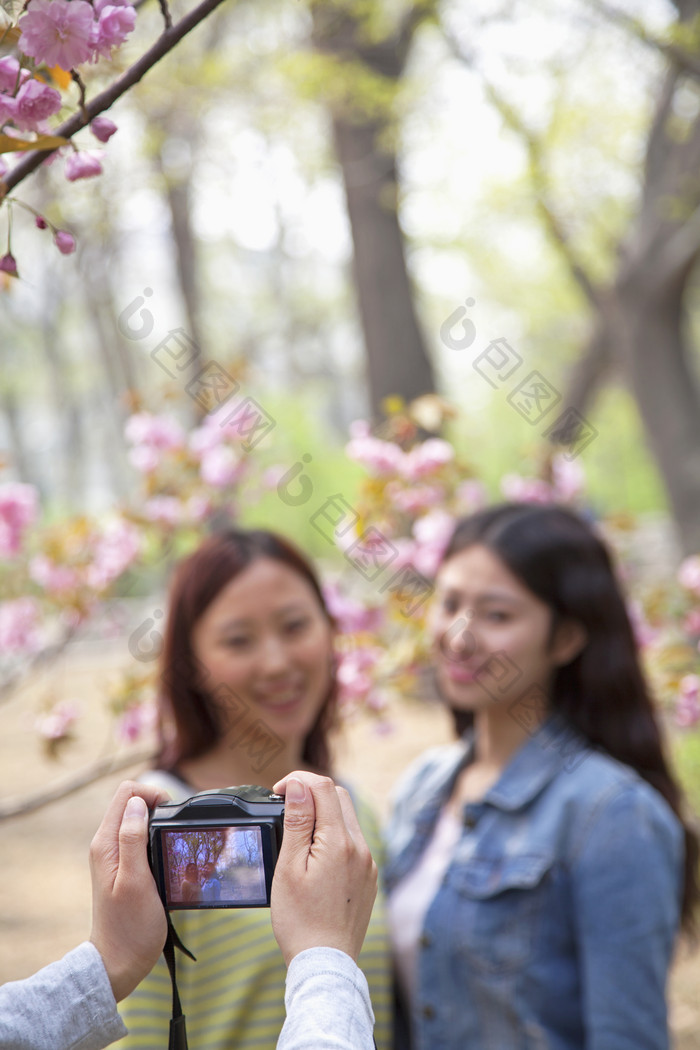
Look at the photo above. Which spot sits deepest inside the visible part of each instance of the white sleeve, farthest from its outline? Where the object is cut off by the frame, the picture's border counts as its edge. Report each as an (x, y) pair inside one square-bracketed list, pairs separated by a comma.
[(328, 1004), (66, 1006)]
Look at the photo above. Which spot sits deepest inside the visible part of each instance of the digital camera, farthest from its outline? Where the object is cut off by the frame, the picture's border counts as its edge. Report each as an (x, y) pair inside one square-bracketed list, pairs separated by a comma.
[(217, 849)]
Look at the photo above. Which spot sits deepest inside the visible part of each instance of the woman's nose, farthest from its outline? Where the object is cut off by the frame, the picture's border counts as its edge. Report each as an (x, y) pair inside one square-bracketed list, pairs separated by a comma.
[(458, 641), (274, 656)]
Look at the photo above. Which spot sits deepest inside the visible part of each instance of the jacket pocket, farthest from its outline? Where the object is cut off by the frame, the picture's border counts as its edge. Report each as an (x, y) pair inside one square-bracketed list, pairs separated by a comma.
[(500, 901)]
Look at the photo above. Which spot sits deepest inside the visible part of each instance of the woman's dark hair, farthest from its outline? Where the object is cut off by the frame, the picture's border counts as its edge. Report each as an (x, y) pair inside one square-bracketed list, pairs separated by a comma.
[(199, 716), (602, 692)]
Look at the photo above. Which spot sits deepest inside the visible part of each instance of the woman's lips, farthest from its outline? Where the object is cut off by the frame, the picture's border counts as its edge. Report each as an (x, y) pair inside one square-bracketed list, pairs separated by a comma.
[(459, 673)]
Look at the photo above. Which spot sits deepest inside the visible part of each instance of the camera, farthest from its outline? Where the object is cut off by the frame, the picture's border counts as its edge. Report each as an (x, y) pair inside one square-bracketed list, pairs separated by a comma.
[(217, 849)]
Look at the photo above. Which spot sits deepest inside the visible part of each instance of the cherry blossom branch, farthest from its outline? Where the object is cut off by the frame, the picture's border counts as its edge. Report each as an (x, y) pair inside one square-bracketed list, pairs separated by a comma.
[(103, 768), (165, 43)]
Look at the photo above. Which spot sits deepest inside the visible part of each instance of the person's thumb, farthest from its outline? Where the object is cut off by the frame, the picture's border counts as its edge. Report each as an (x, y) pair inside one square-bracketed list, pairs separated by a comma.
[(133, 835), (299, 819)]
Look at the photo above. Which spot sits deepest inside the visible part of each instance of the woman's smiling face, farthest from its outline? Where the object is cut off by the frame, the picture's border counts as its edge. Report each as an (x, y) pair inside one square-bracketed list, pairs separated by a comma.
[(482, 611), (267, 639)]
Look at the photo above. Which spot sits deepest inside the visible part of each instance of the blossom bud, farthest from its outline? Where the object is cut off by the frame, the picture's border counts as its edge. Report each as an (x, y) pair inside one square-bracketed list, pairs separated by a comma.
[(103, 128), (65, 242), (41, 222), (8, 264)]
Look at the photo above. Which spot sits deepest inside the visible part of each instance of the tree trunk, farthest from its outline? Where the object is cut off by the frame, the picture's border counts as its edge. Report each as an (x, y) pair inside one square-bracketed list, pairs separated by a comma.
[(397, 358)]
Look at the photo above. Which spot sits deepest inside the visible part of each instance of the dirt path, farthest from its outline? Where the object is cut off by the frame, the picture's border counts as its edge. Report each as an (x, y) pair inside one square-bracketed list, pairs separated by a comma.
[(45, 904)]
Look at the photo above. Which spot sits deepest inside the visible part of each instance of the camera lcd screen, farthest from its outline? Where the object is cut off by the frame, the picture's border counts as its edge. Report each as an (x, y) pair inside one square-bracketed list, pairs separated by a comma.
[(213, 867)]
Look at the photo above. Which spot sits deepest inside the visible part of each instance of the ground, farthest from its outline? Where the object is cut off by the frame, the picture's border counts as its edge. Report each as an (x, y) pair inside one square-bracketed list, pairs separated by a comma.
[(46, 898)]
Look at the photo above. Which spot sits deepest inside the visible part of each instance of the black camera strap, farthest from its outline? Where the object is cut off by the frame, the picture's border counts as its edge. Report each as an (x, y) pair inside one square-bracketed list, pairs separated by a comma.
[(178, 1030)]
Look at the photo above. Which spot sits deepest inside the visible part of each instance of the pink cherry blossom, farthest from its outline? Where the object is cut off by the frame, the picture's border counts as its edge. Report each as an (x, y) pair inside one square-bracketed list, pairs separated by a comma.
[(221, 467), (354, 676), (115, 22), (35, 102), (350, 615), (432, 533), (164, 432), (689, 574), (137, 720), (56, 579), (57, 723), (19, 504), (145, 458), (688, 704), (115, 550), (568, 478), (426, 458), (526, 490), (103, 128), (65, 242), (19, 626), (381, 457), (165, 509), (82, 165), (11, 75), (57, 32), (8, 109), (416, 499), (471, 495)]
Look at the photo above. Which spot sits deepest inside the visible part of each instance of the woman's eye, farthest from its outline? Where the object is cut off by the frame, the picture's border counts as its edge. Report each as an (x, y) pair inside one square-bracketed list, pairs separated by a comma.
[(236, 643), (296, 626), (497, 616), (449, 605)]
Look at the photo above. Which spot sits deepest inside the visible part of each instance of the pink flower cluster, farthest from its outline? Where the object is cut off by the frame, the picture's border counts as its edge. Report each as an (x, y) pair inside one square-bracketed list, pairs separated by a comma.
[(19, 626), (356, 679), (351, 616), (385, 458), (567, 483), (56, 724), (67, 33), (215, 446), (137, 720), (108, 553), (18, 510), (688, 703), (152, 436), (25, 103)]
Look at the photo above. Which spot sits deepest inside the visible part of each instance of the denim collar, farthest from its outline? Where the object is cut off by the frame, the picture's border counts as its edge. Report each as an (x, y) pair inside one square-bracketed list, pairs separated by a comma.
[(535, 764), (531, 768)]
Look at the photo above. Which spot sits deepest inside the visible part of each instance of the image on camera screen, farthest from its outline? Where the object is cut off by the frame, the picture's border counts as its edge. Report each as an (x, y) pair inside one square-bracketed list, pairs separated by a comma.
[(210, 867)]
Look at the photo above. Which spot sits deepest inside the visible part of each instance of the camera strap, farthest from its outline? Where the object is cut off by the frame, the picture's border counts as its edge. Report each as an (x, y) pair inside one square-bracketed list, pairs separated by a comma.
[(178, 1030)]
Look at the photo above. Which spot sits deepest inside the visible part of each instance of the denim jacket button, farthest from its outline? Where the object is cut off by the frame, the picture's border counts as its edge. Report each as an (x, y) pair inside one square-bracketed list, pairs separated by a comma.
[(428, 1012), (469, 820), (425, 940)]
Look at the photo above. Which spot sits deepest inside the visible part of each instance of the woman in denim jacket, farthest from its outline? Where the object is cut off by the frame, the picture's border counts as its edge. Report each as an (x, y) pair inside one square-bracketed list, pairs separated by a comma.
[(539, 868)]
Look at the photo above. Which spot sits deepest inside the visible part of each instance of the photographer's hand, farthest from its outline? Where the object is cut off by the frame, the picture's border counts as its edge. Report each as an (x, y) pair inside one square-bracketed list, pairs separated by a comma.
[(128, 920), (325, 880)]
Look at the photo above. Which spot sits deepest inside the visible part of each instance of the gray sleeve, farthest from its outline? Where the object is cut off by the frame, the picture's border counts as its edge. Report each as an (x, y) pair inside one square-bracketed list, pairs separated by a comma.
[(328, 1004), (66, 1006)]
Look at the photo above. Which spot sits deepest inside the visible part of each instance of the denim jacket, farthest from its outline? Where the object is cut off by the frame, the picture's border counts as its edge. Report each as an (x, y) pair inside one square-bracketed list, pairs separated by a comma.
[(555, 922)]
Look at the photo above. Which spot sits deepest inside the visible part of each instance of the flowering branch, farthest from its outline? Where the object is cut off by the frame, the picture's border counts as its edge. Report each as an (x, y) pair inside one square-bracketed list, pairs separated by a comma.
[(165, 43), (103, 768)]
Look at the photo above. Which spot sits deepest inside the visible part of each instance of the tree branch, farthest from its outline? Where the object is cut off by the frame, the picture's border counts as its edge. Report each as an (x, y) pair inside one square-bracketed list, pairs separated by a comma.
[(22, 806), (165, 43), (533, 145), (679, 56)]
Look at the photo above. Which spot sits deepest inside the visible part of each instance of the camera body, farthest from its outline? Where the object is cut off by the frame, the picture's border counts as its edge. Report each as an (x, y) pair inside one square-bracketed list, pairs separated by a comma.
[(217, 849)]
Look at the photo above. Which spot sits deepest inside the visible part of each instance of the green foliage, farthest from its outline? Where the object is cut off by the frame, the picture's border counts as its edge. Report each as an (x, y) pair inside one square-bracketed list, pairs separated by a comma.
[(685, 748)]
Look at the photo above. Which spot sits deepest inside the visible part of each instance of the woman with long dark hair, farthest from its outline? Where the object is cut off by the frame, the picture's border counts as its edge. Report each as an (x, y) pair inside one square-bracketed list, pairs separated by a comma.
[(248, 694), (539, 869)]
